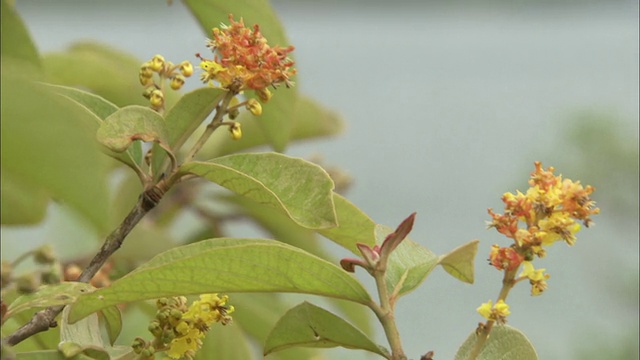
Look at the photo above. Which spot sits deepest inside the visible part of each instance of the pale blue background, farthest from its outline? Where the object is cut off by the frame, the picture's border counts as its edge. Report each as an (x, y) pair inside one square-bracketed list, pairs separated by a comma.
[(447, 107)]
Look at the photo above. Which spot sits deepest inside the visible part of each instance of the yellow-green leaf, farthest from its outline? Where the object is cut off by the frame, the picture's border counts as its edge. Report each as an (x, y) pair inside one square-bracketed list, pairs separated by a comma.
[(459, 262), (300, 189), (505, 343), (222, 266), (308, 325)]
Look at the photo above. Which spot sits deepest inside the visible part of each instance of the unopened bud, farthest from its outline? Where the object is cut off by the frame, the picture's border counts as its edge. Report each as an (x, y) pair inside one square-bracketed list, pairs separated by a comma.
[(236, 131), (254, 106), (156, 99), (177, 82), (157, 63), (263, 94), (186, 68)]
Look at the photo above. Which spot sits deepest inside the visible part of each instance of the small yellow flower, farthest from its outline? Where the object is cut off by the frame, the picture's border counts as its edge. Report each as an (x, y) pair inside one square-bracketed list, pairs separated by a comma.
[(264, 94), (186, 68), (157, 63), (254, 106), (537, 278), (497, 312), (236, 131), (156, 99), (177, 81)]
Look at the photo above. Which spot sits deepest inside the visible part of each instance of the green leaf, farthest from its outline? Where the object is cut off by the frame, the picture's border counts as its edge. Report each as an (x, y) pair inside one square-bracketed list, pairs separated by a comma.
[(23, 205), (277, 115), (225, 343), (103, 70), (300, 189), (62, 157), (113, 320), (102, 109), (459, 262), (189, 112), (185, 117), (284, 229), (75, 337), (49, 355), (310, 326), (310, 121), (16, 42), (226, 265), (409, 264), (505, 343), (49, 295), (132, 123), (354, 226), (94, 103)]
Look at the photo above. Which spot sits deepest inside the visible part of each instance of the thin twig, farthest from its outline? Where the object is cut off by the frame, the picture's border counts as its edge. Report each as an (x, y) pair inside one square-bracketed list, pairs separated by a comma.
[(45, 319)]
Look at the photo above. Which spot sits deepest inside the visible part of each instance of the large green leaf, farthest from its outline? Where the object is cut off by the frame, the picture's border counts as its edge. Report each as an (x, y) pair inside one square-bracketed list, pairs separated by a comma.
[(49, 295), (225, 343), (459, 261), (284, 229), (308, 325), (409, 264), (300, 189), (16, 42), (354, 226), (96, 104), (102, 108), (311, 120), (48, 144), (23, 204), (226, 265), (504, 343), (277, 115), (131, 123)]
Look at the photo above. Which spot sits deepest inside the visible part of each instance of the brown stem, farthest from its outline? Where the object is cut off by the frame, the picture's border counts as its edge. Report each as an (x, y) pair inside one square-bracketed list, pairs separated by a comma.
[(508, 281), (45, 319)]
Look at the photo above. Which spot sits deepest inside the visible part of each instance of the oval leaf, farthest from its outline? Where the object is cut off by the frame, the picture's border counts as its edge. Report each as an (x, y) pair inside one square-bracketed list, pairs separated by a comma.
[(300, 189), (226, 265), (132, 123), (49, 295), (354, 226), (409, 264), (113, 320), (101, 108), (460, 261), (505, 343), (16, 42), (311, 326)]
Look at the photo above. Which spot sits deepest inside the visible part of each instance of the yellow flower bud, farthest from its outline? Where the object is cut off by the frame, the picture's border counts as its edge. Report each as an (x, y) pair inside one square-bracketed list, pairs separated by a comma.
[(263, 94), (157, 98), (144, 80), (157, 63), (186, 68), (146, 70), (177, 82), (236, 131), (254, 106)]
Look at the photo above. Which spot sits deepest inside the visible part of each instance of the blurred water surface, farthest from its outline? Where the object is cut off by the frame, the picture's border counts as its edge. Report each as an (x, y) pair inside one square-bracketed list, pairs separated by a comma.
[(447, 107)]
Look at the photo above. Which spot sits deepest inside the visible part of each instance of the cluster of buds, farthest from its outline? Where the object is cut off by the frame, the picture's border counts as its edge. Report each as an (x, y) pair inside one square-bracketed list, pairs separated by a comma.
[(178, 329), (164, 70), (244, 61), (550, 210), (49, 271)]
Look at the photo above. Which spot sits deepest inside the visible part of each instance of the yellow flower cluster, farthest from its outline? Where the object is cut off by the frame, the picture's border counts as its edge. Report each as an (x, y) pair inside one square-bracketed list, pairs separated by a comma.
[(165, 70), (547, 212), (497, 312), (178, 329)]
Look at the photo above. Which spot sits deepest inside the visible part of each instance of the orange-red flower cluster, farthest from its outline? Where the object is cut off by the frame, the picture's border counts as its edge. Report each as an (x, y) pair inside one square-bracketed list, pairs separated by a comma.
[(244, 59)]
